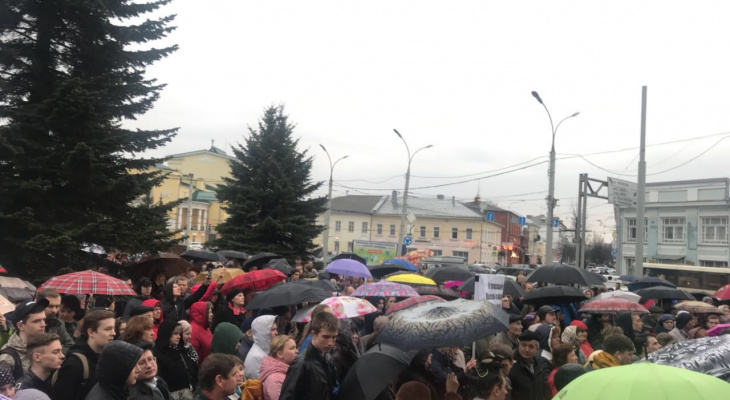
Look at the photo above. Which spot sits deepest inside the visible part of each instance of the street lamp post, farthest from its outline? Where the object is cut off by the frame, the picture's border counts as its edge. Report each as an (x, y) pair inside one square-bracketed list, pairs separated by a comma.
[(551, 181), (326, 233), (401, 230)]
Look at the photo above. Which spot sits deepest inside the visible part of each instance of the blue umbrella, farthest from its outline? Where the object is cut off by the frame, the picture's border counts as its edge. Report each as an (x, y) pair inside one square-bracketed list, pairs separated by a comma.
[(402, 263)]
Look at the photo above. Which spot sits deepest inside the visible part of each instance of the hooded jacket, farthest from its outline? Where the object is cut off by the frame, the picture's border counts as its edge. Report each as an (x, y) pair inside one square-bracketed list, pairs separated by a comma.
[(659, 328), (70, 383), (544, 333), (173, 309), (272, 376), (261, 329), (116, 362), (153, 303), (17, 344), (174, 365), (201, 336), (225, 339)]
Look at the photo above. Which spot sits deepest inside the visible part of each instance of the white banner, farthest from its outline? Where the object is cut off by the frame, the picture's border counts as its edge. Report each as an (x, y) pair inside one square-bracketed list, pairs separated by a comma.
[(489, 287)]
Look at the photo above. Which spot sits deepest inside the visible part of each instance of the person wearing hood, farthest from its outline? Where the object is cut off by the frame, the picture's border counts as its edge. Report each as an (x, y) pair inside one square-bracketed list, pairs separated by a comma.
[(282, 352), (143, 288), (630, 323), (149, 386), (264, 329), (548, 336), (233, 311), (201, 315), (174, 305), (247, 341), (157, 316), (685, 323), (174, 364), (226, 339), (116, 371), (570, 336), (665, 324), (187, 333)]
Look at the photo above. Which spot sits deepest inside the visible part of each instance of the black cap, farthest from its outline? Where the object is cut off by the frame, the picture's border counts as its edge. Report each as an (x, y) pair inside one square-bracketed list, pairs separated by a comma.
[(543, 311), (514, 317), (139, 310), (145, 281), (528, 335), (566, 374), (23, 310)]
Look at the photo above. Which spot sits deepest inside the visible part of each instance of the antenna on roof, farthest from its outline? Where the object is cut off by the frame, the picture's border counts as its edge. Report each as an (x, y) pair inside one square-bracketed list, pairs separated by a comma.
[(212, 144)]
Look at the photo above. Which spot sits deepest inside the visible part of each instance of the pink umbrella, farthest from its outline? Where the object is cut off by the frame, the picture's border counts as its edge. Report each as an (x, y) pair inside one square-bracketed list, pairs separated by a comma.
[(342, 307), (452, 284), (718, 329)]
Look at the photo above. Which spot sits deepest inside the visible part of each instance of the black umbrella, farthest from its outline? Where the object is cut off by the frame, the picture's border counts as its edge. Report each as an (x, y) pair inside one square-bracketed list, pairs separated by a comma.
[(649, 281), (550, 295), (16, 295), (319, 283), (238, 255), (381, 270), (443, 274), (372, 372), (281, 265), (258, 260), (664, 293), (564, 275), (202, 255), (168, 263), (350, 256), (286, 294), (446, 294)]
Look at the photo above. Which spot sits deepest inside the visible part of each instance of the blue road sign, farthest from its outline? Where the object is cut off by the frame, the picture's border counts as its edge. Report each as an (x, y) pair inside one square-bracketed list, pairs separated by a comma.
[(556, 222), (523, 221), (613, 253), (490, 216), (407, 240)]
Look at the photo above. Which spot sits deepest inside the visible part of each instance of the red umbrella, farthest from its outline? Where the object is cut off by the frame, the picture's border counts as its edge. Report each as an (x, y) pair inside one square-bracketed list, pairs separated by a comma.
[(613, 305), (255, 280), (88, 282), (723, 293), (413, 301)]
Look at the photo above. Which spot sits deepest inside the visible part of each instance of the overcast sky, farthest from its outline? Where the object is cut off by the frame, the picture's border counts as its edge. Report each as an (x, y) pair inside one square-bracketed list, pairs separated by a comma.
[(458, 75)]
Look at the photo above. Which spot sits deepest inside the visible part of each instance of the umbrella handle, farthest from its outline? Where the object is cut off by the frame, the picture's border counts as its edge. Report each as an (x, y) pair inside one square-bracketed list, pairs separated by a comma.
[(474, 351)]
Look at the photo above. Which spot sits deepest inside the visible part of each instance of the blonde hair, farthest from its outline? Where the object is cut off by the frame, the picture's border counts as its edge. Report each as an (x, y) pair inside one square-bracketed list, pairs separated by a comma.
[(278, 343)]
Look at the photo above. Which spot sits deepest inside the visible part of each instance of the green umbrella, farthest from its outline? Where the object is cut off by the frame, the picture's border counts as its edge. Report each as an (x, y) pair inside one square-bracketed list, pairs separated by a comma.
[(643, 382)]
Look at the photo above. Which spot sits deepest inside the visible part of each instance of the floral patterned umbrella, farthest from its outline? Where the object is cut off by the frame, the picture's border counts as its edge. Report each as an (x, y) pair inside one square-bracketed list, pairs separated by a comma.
[(698, 307), (342, 306), (383, 289), (612, 306), (412, 302)]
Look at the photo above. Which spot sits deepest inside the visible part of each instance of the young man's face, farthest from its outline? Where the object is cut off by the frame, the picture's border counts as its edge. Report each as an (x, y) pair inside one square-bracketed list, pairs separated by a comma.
[(324, 340), (35, 323), (50, 356), (104, 334), (54, 304), (712, 321), (652, 345), (636, 322), (147, 366), (550, 318), (146, 290), (65, 314), (624, 357), (229, 382)]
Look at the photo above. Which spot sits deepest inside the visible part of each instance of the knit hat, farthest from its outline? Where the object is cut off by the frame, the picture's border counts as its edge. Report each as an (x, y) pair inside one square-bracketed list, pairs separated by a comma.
[(566, 374), (579, 324), (115, 363), (233, 293), (30, 394), (683, 318), (6, 376), (529, 335)]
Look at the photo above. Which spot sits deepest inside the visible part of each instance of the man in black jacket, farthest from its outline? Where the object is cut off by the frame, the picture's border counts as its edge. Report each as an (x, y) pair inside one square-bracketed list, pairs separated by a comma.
[(528, 372), (143, 287), (46, 357), (149, 386), (312, 375), (116, 371), (174, 305)]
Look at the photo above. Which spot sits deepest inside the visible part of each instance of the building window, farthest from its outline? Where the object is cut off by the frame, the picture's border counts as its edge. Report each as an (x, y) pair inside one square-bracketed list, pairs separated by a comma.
[(349, 246), (714, 230), (464, 254), (630, 262), (673, 230), (436, 232), (379, 230), (454, 233), (706, 263), (422, 231), (338, 226), (364, 227), (437, 253), (631, 229), (392, 230), (337, 246), (469, 234), (351, 226)]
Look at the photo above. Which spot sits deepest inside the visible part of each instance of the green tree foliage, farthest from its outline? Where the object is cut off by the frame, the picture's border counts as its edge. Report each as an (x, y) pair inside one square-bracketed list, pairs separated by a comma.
[(71, 73), (268, 197)]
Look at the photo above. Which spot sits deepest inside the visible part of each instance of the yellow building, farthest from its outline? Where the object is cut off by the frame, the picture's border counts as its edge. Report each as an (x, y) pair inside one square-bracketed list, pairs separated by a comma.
[(203, 171)]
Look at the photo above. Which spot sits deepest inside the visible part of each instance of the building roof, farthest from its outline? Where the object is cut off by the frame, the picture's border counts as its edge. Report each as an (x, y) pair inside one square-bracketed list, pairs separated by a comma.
[(428, 208), (213, 151), (355, 203), (199, 195)]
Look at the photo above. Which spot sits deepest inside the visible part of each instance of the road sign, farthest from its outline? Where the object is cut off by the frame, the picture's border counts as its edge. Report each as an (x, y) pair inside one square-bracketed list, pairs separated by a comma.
[(613, 253), (523, 221), (556, 222), (621, 193), (407, 240), (490, 216)]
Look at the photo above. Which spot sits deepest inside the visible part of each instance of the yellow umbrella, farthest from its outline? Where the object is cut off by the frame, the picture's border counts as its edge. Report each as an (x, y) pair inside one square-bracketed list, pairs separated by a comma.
[(6, 306), (228, 274), (412, 279)]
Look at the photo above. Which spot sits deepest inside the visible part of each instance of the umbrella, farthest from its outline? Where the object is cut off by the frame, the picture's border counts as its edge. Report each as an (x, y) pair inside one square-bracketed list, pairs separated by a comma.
[(412, 302), (348, 267), (3, 270), (379, 271), (511, 288), (88, 282), (549, 295), (564, 275), (384, 289), (373, 371), (12, 282), (228, 274), (281, 265), (238, 255), (612, 306), (723, 293), (320, 283), (254, 280), (286, 294), (16, 295), (719, 329), (445, 294), (709, 355), (617, 294), (202, 255), (697, 307), (350, 256), (664, 293), (411, 279), (258, 260), (451, 324), (342, 307), (444, 274), (644, 381), (6, 306), (627, 278), (168, 263), (649, 281), (403, 263)]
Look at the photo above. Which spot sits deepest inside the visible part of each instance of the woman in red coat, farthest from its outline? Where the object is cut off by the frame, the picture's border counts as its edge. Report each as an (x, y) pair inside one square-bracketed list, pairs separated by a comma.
[(200, 319)]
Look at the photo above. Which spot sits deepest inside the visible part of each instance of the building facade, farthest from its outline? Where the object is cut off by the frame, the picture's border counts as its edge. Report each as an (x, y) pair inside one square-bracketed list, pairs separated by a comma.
[(350, 219)]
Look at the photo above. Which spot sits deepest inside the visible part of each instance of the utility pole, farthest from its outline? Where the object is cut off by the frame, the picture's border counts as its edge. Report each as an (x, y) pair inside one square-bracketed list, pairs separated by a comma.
[(190, 212), (641, 191), (326, 233)]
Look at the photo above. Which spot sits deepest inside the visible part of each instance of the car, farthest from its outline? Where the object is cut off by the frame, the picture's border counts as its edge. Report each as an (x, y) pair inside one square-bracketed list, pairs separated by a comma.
[(195, 246)]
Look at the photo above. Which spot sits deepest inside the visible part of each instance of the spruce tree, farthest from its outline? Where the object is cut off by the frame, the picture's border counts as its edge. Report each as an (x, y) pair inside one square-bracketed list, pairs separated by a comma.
[(71, 73), (268, 198)]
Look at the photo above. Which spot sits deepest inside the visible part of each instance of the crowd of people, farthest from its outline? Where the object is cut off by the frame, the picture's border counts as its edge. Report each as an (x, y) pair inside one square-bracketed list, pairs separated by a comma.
[(179, 341)]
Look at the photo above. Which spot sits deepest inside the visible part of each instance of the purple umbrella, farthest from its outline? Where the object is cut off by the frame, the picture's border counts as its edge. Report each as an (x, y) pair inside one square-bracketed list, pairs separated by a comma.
[(348, 267)]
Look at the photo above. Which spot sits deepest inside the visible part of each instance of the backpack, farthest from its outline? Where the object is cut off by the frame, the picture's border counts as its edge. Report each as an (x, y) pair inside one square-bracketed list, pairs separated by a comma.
[(18, 371), (252, 390), (84, 364)]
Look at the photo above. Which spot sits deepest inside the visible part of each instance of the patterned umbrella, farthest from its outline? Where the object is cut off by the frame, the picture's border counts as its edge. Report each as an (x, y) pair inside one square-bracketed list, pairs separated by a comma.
[(612, 306), (342, 306), (451, 324), (348, 267), (411, 279), (412, 302), (255, 280), (709, 355), (697, 307), (88, 282), (384, 289)]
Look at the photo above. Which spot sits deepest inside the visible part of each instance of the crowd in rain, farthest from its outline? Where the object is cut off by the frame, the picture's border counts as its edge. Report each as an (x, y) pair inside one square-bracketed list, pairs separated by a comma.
[(172, 329)]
